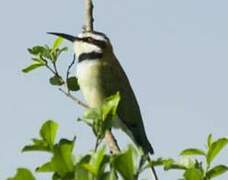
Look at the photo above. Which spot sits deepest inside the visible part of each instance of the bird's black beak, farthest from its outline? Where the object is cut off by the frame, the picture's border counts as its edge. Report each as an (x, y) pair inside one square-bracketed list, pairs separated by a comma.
[(65, 36)]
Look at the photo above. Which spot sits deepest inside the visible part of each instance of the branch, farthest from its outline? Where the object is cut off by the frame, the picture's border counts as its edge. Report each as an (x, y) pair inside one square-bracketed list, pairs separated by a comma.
[(88, 21), (112, 142), (88, 27), (68, 94), (69, 67)]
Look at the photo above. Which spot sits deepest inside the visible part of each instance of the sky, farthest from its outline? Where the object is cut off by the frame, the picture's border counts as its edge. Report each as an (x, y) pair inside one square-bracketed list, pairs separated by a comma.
[(174, 53)]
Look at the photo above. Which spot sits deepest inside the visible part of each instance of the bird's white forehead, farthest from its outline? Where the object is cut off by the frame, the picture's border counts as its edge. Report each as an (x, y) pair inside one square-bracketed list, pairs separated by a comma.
[(93, 35)]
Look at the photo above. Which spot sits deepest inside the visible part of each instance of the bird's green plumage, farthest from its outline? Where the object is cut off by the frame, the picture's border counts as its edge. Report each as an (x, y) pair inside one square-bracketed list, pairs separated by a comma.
[(103, 78), (114, 79)]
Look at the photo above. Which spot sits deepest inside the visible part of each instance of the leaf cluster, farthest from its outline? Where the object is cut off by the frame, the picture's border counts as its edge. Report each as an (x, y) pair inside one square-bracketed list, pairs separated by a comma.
[(65, 165), (194, 169), (47, 57), (100, 119)]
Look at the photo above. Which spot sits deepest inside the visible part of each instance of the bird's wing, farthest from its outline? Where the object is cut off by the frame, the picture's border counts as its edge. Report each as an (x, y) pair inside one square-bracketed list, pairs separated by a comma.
[(128, 110)]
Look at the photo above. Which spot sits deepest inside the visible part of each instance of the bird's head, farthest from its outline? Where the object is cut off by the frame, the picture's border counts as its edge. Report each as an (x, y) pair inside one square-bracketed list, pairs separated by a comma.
[(93, 43)]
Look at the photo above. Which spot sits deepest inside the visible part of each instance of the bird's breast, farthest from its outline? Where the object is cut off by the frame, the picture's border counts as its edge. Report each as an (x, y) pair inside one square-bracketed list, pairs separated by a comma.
[(89, 79)]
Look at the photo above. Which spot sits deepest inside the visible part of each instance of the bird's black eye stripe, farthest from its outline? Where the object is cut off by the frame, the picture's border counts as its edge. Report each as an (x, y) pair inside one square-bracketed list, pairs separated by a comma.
[(89, 56), (99, 43)]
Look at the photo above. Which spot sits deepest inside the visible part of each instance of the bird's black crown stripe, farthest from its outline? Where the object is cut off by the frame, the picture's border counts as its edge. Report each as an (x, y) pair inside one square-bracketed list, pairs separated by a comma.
[(89, 56), (99, 43)]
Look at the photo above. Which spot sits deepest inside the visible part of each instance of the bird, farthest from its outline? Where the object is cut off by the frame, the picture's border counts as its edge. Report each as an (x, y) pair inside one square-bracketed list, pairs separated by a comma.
[(101, 75)]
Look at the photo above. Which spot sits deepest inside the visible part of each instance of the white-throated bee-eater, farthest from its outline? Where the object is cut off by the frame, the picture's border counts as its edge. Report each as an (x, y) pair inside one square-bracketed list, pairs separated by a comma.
[(100, 75)]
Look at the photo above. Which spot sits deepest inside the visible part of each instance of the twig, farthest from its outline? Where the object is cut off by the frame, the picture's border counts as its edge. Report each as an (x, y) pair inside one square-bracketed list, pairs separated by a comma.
[(140, 167), (68, 94), (68, 71), (49, 68), (69, 67), (112, 142), (56, 70), (97, 144), (88, 16), (152, 167)]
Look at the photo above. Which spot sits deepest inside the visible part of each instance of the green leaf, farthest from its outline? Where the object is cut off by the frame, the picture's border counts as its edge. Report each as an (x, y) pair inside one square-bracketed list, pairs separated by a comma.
[(81, 173), (47, 167), (168, 164), (36, 148), (97, 163), (171, 164), (215, 148), (48, 132), (153, 163), (193, 174), (125, 165), (99, 160), (84, 159), (37, 50), (101, 118), (56, 176), (57, 42), (38, 145), (109, 176), (72, 84), (109, 107), (192, 151), (209, 140), (62, 161), (23, 174), (56, 81), (216, 171), (45, 53), (90, 115), (187, 162), (33, 66), (90, 168)]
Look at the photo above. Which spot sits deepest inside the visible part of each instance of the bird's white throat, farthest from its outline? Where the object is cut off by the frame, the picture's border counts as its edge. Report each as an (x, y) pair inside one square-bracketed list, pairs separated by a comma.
[(85, 66)]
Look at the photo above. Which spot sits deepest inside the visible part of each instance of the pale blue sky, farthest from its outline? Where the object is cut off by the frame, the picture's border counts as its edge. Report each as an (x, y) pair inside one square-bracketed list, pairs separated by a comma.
[(174, 52)]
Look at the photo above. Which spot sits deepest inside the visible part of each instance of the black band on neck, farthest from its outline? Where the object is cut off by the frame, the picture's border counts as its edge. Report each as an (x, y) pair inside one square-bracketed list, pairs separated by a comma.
[(89, 56)]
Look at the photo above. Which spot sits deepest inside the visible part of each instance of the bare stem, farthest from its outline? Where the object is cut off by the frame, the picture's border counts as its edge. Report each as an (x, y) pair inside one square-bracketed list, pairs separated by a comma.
[(56, 70), (68, 94), (111, 142), (88, 21), (49, 68), (69, 67)]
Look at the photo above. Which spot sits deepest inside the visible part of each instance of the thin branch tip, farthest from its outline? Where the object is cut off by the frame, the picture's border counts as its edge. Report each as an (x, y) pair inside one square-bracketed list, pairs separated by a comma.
[(88, 16)]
